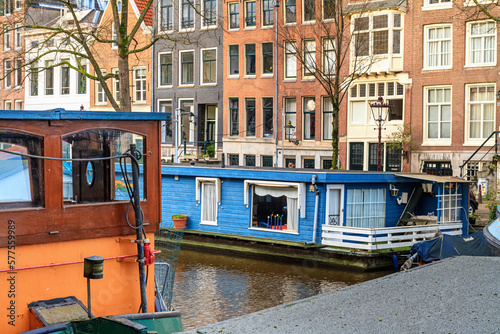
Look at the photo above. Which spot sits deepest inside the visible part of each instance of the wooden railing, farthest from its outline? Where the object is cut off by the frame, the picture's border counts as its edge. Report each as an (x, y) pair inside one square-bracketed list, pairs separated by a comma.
[(384, 238)]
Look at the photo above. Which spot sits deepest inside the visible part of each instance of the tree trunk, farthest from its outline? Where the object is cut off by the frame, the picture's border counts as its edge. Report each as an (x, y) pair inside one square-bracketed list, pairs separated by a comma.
[(123, 74)]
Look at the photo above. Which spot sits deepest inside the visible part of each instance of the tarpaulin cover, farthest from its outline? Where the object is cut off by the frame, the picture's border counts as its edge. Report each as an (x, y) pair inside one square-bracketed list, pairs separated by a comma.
[(449, 245)]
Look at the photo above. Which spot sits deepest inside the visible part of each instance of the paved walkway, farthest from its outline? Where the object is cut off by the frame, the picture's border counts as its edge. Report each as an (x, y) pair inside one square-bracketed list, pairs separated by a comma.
[(456, 295)]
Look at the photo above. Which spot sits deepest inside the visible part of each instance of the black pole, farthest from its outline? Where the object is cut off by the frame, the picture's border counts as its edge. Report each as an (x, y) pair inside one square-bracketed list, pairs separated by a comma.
[(88, 299), (138, 224)]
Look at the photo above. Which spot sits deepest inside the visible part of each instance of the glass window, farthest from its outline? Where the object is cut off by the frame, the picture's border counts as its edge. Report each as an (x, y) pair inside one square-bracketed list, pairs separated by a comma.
[(140, 84), (482, 43), (328, 57), (18, 42), (290, 118), (365, 208), (309, 109), (329, 9), (356, 156), (166, 126), (166, 69), (308, 163), (166, 15), (209, 202), (234, 59), (6, 38), (187, 19), (187, 69), (267, 161), (7, 68), (209, 66), (267, 111), (100, 94), (308, 10), (309, 58), (327, 164), (290, 60), (249, 160), (18, 74), (290, 11), (250, 59), (377, 34), (187, 121), (98, 180), (234, 160), (234, 15), (209, 13), (267, 58), (33, 80), (65, 79), (438, 42), (327, 118), (250, 117), (250, 14), (393, 160), (481, 105), (438, 105), (82, 81), (21, 175), (234, 112), (114, 36), (116, 86), (267, 12)]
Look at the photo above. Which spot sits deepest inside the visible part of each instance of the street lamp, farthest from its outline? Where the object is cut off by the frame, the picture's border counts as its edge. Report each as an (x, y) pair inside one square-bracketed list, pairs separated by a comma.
[(289, 133), (380, 118)]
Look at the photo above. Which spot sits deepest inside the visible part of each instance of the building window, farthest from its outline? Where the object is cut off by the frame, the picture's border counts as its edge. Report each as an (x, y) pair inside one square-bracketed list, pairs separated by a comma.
[(267, 12), (18, 105), (166, 126), (18, 42), (187, 69), (114, 36), (234, 15), (481, 106), (267, 161), (329, 9), (290, 11), (439, 3), (393, 159), (116, 85), (140, 84), (481, 43), (365, 208), (209, 189), (309, 109), (438, 47), (249, 160), (209, 13), (438, 113), (250, 117), (82, 81), (234, 160), (377, 34), (250, 59), (267, 58), (267, 112), (290, 118), (327, 164), (356, 156), (233, 112), (18, 74), (440, 168), (8, 105), (290, 60), (328, 57), (234, 60), (308, 10), (166, 69), (209, 66), (18, 5), (7, 68), (250, 14), (65, 80), (308, 163), (309, 58), (327, 118), (33, 80), (472, 170), (49, 77), (101, 97), (373, 156), (187, 122), (166, 15), (290, 162), (187, 19), (6, 38)]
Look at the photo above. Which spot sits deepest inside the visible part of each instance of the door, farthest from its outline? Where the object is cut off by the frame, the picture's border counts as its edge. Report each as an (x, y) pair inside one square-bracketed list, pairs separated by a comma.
[(335, 205)]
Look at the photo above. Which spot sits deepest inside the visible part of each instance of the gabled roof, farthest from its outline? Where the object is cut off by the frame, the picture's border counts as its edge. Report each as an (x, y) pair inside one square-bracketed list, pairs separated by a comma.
[(141, 4)]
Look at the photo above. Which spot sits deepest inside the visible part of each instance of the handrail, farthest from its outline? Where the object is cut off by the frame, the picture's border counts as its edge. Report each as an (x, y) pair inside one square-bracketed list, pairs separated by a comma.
[(480, 147)]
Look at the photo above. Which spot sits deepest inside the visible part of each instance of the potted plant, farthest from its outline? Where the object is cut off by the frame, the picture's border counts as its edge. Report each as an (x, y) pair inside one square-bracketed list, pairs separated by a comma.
[(179, 221)]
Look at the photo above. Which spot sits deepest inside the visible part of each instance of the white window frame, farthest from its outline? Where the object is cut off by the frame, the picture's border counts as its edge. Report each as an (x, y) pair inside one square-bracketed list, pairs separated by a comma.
[(7, 42), (7, 80), (181, 13), (213, 24), (140, 84), (8, 105), (328, 56), (427, 66), (100, 95), (190, 137), (440, 141), (468, 57), (202, 77), (18, 73), (190, 84), (160, 68), (351, 203), (18, 40), (200, 181), (116, 86), (68, 87), (290, 54), (18, 104), (171, 18), (114, 36), (476, 141), (229, 5), (442, 4), (309, 56)]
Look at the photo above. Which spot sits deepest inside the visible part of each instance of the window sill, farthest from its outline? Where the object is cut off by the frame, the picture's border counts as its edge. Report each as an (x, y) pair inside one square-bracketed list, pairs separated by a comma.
[(165, 87), (480, 65), (271, 230), (290, 80), (165, 32), (308, 79), (436, 7), (208, 28), (436, 143), (208, 84), (250, 28), (139, 102), (267, 76), (266, 27), (308, 23), (429, 69), (208, 223), (233, 77), (291, 24), (233, 29), (249, 77), (186, 30), (478, 142), (186, 86)]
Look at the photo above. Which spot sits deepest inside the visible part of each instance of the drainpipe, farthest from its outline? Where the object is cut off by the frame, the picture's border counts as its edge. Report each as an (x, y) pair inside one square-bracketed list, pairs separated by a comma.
[(276, 6), (316, 208)]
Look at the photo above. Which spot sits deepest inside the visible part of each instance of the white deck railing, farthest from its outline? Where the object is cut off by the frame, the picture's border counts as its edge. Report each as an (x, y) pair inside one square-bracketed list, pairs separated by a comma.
[(384, 238)]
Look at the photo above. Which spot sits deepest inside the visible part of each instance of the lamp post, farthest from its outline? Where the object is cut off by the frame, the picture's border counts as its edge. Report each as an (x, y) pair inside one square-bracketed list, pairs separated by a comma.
[(380, 118)]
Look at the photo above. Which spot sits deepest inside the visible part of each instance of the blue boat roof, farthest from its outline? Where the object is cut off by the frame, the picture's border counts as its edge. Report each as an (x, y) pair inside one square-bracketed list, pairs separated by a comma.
[(62, 114)]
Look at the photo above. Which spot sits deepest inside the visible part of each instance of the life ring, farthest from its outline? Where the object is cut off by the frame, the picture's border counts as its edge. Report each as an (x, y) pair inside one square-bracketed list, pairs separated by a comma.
[(290, 165)]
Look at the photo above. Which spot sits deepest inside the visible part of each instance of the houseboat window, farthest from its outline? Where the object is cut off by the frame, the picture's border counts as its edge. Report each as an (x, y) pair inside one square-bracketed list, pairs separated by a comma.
[(450, 208), (275, 207), (93, 180), (365, 208), (21, 177), (208, 193)]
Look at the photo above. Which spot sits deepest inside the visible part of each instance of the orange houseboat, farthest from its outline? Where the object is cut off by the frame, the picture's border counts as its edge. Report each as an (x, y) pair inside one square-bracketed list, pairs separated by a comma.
[(79, 191)]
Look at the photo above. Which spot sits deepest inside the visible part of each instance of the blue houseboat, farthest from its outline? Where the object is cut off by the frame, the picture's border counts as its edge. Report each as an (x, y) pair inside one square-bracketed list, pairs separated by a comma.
[(362, 210)]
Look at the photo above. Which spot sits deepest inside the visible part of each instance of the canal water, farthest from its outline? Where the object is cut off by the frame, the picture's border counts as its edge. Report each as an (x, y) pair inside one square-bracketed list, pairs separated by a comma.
[(210, 288)]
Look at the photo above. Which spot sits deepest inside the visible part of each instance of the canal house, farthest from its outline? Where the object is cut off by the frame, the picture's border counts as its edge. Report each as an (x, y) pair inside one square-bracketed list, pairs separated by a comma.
[(356, 210)]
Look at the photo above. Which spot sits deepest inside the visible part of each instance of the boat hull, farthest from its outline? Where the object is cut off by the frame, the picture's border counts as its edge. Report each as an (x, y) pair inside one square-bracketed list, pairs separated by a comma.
[(492, 236)]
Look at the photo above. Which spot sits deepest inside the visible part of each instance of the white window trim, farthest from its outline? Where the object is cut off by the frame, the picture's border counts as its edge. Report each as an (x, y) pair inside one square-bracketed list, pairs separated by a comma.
[(114, 35), (262, 74), (327, 211), (229, 16), (477, 141), (116, 94), (441, 141), (210, 26), (301, 188), (159, 70), (428, 6), (468, 46), (229, 61), (199, 182), (202, 82), (293, 45), (97, 85), (303, 64), (145, 87), (180, 13), (160, 30), (18, 37), (180, 68), (426, 48)]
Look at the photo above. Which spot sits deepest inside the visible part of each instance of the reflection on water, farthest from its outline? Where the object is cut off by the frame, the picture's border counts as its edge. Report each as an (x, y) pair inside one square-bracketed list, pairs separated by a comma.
[(210, 288)]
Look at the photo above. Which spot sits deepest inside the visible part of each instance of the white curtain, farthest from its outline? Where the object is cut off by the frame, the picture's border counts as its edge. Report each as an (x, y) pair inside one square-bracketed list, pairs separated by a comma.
[(208, 202), (289, 192), (293, 214), (365, 208)]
